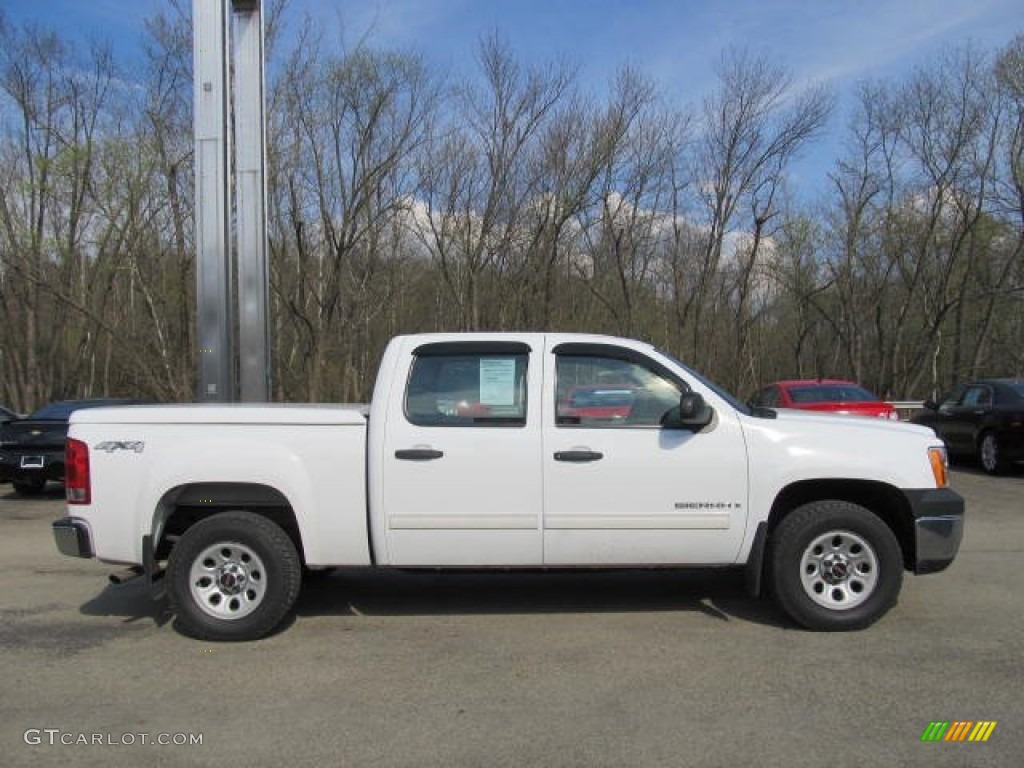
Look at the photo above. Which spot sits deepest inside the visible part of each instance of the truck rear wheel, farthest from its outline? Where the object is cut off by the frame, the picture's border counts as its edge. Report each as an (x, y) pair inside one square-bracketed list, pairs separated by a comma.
[(233, 576), (835, 566)]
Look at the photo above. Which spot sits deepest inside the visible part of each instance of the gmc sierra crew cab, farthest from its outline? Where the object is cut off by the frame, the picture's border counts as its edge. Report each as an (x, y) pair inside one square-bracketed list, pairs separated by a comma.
[(508, 451)]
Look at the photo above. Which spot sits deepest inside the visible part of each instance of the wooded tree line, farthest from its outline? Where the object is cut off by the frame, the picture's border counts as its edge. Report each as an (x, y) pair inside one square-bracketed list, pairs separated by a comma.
[(404, 199)]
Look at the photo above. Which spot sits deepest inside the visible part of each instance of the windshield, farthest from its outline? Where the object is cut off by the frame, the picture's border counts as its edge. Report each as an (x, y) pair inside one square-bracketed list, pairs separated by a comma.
[(718, 390)]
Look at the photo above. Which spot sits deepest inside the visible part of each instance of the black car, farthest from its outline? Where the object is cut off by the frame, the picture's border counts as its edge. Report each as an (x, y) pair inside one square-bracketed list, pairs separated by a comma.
[(32, 449), (6, 414), (984, 419)]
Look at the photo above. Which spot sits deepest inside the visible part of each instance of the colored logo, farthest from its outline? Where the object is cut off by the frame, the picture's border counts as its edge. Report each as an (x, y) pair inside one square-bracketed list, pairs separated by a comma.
[(958, 730)]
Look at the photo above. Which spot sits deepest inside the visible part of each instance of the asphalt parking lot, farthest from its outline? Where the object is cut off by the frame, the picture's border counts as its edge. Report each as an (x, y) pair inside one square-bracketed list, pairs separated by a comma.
[(628, 669)]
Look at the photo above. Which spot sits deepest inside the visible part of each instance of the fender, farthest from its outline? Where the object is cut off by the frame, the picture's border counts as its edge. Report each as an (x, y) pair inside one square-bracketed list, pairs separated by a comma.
[(177, 461)]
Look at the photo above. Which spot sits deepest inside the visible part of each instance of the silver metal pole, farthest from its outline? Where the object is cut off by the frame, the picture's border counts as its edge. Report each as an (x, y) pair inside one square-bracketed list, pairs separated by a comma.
[(251, 192), (213, 199)]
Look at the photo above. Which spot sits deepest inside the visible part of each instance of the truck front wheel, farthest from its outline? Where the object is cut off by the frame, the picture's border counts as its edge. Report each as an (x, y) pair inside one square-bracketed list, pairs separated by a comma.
[(233, 576), (835, 566)]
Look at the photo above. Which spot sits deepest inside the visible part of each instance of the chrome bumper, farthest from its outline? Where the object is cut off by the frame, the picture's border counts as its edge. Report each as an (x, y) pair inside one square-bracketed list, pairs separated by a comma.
[(938, 527), (72, 537)]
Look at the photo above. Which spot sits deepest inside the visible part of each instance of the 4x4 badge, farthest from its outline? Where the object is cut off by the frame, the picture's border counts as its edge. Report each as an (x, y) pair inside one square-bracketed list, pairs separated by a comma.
[(120, 445)]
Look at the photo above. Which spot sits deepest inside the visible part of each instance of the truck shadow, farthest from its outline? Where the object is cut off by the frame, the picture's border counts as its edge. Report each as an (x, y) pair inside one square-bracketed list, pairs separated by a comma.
[(130, 602), (716, 594), (361, 592)]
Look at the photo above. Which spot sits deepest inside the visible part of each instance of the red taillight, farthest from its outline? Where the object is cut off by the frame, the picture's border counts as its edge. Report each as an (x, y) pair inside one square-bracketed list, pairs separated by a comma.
[(77, 488)]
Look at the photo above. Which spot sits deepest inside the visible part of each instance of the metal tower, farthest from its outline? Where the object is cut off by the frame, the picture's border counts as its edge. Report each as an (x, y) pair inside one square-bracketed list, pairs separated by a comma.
[(229, 94)]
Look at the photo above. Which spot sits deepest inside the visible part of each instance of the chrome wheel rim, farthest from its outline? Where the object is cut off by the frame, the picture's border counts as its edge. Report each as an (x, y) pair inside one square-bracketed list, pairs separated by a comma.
[(839, 570), (228, 580), (989, 452)]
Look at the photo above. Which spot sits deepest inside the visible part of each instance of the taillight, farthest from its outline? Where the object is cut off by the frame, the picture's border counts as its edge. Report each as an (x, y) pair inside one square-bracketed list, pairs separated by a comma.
[(77, 488)]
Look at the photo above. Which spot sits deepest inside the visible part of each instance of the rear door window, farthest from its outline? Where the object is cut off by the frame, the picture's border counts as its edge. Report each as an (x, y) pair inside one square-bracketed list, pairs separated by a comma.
[(449, 387)]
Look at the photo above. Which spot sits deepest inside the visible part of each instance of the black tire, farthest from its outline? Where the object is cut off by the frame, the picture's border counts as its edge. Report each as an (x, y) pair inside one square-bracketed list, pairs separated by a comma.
[(990, 456), (233, 576), (33, 487), (835, 566)]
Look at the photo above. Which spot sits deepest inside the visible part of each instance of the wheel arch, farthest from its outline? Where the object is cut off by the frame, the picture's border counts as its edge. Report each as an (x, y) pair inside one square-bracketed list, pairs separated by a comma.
[(883, 500), (182, 506)]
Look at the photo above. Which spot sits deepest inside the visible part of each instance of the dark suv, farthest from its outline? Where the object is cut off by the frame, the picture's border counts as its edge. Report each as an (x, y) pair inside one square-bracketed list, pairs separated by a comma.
[(984, 419)]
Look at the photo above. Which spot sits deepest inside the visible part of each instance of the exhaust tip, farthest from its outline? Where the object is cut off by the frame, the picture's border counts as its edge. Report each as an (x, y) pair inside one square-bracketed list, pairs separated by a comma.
[(126, 575)]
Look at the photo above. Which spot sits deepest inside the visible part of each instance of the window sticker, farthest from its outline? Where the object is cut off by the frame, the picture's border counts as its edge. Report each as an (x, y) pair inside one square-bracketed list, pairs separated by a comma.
[(497, 381)]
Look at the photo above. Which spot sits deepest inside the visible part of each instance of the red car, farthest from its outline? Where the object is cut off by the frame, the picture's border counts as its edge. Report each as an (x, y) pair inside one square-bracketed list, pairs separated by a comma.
[(830, 395), (605, 403)]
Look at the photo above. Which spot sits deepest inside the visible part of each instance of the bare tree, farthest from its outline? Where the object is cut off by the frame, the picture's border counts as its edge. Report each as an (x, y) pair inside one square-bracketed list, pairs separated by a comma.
[(754, 125), (348, 127), (479, 181)]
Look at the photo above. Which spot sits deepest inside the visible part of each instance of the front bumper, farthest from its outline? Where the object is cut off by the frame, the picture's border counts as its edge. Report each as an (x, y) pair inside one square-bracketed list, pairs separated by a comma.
[(938, 527), (72, 537)]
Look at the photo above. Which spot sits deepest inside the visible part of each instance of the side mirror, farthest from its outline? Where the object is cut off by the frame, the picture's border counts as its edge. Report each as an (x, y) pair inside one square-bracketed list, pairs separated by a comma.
[(930, 405), (693, 413)]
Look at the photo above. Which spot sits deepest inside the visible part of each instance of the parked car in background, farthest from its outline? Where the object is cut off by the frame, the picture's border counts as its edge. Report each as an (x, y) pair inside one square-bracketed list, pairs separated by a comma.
[(32, 449), (983, 419), (830, 395), (597, 402), (6, 414)]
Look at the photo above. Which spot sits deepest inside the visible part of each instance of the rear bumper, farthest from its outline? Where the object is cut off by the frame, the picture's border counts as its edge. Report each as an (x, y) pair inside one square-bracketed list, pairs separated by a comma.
[(938, 527), (73, 537)]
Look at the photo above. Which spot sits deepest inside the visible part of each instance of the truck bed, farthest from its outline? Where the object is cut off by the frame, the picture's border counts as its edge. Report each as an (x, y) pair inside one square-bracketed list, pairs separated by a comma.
[(237, 413)]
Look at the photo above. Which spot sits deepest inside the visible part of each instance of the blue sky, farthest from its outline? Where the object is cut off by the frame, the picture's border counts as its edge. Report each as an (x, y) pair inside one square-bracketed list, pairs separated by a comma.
[(675, 42)]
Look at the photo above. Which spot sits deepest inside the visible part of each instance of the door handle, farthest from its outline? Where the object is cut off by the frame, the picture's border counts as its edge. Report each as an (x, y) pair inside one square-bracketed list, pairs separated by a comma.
[(418, 454), (578, 456)]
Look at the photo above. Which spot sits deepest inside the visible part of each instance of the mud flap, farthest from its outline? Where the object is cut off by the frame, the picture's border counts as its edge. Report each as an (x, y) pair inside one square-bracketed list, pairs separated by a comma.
[(154, 573), (754, 570)]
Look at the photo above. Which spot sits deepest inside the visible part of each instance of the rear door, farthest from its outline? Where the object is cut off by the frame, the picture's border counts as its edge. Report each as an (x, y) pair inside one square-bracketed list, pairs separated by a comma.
[(461, 457), (969, 415)]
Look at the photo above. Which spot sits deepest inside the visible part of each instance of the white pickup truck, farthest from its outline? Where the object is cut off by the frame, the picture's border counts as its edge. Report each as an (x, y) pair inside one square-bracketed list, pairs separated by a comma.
[(507, 451)]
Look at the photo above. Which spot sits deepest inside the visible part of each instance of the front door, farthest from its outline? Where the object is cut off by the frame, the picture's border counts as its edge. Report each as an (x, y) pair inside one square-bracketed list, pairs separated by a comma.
[(620, 489)]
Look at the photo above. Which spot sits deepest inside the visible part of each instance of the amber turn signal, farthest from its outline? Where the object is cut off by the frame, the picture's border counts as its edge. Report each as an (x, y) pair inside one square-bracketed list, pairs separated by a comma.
[(940, 465)]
